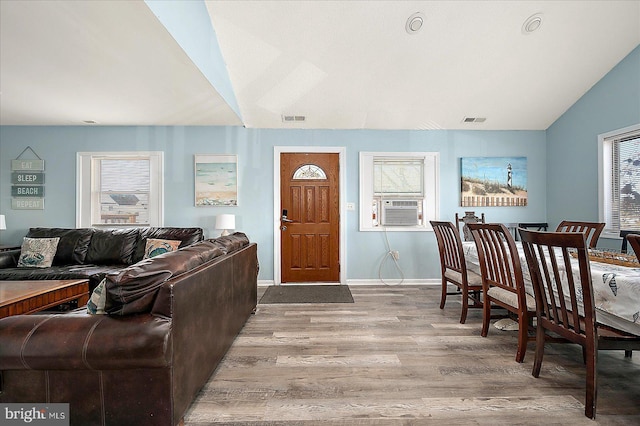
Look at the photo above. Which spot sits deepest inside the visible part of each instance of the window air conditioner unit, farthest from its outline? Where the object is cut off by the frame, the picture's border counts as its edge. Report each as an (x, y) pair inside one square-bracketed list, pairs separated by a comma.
[(400, 212)]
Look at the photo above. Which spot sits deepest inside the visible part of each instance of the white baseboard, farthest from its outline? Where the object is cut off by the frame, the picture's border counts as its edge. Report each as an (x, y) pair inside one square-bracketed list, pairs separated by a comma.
[(434, 281)]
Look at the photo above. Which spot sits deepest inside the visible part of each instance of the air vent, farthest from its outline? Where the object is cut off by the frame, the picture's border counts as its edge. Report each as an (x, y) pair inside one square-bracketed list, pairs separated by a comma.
[(293, 118), (474, 119)]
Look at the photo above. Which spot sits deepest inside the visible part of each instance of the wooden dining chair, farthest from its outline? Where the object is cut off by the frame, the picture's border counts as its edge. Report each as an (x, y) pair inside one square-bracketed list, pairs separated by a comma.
[(453, 268), (469, 217), (539, 226), (565, 303), (591, 230), (502, 279), (624, 233), (634, 240)]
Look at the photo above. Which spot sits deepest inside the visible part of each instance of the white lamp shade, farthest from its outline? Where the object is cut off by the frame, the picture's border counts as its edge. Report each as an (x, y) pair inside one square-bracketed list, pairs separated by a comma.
[(3, 223), (226, 221)]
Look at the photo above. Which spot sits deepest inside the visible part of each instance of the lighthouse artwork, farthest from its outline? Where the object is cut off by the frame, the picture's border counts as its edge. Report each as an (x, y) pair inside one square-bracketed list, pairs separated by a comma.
[(493, 182)]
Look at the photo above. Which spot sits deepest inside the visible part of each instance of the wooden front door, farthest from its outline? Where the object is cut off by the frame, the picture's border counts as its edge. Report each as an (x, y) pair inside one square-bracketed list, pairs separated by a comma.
[(310, 232)]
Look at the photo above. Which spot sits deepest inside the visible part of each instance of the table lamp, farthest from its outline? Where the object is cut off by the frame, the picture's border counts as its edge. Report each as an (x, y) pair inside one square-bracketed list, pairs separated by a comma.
[(225, 222)]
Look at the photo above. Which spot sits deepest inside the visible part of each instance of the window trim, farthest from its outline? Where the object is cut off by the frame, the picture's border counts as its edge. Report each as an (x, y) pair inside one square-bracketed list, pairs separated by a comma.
[(431, 185), (604, 179), (85, 184)]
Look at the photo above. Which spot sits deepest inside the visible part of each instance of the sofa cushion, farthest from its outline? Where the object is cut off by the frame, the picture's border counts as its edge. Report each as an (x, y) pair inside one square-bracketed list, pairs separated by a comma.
[(73, 245), (97, 304), (112, 246), (187, 236), (154, 247), (37, 252), (134, 289)]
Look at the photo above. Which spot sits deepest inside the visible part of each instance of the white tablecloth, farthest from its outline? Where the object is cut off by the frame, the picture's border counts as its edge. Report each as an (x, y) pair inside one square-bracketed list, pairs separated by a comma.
[(616, 289)]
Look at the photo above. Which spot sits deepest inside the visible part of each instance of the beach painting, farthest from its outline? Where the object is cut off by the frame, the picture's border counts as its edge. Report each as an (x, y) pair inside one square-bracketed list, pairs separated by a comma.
[(493, 182), (216, 180)]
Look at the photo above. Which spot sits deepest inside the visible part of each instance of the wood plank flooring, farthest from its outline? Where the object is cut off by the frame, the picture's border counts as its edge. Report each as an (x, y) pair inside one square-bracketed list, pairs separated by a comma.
[(394, 358)]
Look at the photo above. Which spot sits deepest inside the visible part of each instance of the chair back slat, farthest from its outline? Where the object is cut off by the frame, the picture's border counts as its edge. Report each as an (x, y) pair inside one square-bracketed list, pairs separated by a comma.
[(449, 245), (564, 295), (591, 230), (497, 254)]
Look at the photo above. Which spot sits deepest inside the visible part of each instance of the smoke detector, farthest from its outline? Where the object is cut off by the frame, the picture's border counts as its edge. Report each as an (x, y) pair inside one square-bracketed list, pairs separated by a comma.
[(414, 23), (533, 23)]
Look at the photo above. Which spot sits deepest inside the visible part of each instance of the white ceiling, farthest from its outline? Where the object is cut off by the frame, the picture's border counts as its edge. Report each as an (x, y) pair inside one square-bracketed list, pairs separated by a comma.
[(341, 64)]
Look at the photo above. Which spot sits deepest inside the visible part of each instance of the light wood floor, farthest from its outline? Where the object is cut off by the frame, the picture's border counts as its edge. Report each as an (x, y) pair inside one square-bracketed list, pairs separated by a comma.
[(394, 358)]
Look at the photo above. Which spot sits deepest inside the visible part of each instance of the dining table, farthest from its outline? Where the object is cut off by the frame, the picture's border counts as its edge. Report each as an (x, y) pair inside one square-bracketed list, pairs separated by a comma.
[(616, 287)]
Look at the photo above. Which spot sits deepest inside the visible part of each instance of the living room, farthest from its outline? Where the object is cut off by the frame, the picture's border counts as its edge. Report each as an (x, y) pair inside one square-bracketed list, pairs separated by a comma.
[(563, 155)]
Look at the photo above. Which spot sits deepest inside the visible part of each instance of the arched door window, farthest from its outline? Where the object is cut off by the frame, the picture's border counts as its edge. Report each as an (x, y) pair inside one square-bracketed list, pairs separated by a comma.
[(310, 171)]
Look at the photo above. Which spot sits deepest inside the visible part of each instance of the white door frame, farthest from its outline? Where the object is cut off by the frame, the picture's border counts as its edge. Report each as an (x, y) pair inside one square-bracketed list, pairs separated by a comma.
[(277, 150)]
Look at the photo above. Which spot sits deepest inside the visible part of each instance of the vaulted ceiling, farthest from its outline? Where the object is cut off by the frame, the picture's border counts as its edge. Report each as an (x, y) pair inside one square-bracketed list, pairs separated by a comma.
[(307, 64)]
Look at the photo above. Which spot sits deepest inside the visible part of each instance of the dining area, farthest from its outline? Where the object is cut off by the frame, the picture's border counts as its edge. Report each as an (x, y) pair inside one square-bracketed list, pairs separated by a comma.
[(547, 287)]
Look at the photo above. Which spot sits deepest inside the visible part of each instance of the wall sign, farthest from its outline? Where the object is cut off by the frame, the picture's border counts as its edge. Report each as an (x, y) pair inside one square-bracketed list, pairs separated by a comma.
[(27, 182)]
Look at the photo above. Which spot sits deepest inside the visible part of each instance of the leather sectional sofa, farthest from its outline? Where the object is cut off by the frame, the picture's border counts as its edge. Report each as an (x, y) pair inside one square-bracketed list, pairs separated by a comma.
[(172, 319), (91, 252)]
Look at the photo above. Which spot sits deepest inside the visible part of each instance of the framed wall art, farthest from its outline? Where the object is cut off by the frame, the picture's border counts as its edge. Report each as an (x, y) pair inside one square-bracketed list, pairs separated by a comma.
[(493, 182), (216, 180)]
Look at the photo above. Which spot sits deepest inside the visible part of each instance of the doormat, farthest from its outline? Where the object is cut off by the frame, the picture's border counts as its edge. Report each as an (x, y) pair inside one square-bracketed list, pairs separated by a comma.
[(307, 294)]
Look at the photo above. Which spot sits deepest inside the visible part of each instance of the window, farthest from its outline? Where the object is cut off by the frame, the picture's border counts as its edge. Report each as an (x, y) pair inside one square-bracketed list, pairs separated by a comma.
[(619, 179), (310, 171), (119, 189), (398, 190)]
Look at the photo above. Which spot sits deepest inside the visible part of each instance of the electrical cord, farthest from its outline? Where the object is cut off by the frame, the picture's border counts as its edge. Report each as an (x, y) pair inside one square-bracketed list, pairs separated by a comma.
[(388, 254)]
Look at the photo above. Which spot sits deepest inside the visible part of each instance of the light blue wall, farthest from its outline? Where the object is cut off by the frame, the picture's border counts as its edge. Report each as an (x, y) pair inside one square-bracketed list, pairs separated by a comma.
[(418, 252), (572, 143)]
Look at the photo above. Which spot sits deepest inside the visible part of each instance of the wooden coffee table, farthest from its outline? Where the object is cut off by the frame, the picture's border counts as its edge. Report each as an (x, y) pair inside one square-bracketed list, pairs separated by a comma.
[(25, 297)]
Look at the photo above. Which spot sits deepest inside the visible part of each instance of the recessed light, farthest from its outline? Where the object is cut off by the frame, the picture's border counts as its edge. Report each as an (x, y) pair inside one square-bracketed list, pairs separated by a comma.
[(414, 23), (533, 23)]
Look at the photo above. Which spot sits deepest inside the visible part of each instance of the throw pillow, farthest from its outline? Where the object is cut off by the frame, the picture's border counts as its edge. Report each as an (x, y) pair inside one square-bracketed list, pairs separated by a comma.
[(97, 304), (154, 247), (37, 252)]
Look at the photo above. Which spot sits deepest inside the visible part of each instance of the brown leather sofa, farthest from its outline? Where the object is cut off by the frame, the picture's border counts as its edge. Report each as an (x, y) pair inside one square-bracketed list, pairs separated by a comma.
[(136, 368), (91, 252)]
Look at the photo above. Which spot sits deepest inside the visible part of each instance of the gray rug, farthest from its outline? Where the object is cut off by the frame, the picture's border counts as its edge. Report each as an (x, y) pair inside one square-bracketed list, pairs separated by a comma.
[(317, 293)]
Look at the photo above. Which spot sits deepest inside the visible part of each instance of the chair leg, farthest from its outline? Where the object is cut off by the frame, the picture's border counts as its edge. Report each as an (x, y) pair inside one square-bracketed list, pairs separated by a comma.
[(486, 316), (592, 386), (537, 363), (465, 305), (443, 296), (628, 353), (523, 329)]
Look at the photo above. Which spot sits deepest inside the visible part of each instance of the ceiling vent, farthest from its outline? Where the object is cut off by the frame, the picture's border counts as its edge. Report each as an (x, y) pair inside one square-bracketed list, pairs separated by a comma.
[(474, 119), (293, 118)]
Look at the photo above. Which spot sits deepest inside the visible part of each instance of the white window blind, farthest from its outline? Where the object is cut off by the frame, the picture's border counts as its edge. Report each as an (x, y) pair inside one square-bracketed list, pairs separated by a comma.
[(398, 177), (625, 181), (124, 188)]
